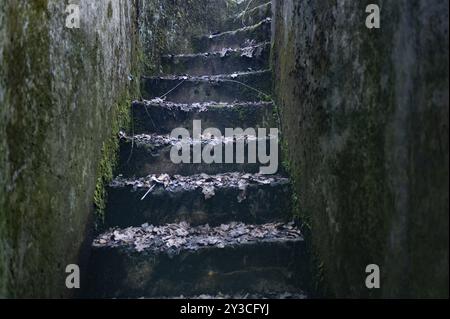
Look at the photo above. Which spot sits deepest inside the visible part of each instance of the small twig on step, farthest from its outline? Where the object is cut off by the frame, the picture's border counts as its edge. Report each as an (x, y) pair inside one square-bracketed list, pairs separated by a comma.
[(151, 119), (245, 12), (148, 192), (170, 91), (249, 87)]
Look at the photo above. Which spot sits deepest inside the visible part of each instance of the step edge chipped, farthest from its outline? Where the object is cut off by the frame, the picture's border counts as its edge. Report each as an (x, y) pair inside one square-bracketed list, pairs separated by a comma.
[(216, 53)]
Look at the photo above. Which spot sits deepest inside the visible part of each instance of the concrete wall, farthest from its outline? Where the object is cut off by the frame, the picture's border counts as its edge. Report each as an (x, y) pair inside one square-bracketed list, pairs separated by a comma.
[(62, 94), (365, 126)]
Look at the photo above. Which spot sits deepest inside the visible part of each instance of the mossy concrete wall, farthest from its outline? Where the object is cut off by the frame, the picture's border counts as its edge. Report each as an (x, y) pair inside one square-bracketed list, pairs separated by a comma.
[(59, 102), (365, 124)]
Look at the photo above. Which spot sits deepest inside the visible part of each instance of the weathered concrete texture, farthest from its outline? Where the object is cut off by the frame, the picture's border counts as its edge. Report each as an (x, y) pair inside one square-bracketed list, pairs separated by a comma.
[(142, 155), (222, 62), (198, 199), (200, 260), (247, 5), (234, 39), (161, 117), (365, 121), (167, 26), (251, 16), (59, 91), (245, 87)]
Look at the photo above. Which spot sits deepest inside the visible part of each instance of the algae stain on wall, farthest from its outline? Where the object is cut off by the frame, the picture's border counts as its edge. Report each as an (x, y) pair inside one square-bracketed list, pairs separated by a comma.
[(59, 94), (365, 117)]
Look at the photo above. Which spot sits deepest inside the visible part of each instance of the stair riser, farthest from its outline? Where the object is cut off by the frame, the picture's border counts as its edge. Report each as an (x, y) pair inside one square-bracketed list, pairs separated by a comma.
[(234, 39), (141, 160), (158, 119), (257, 268), (193, 91), (263, 204), (214, 64)]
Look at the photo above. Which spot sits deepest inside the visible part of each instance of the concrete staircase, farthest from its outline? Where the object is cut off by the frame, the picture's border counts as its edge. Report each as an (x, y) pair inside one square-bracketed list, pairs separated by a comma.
[(201, 229)]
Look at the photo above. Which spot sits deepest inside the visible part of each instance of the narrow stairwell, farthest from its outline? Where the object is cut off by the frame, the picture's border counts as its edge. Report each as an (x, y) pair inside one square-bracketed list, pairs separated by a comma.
[(218, 230)]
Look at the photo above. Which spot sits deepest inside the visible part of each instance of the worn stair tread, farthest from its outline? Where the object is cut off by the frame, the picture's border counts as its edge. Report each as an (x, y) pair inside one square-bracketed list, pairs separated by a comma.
[(198, 199), (240, 86), (227, 60), (242, 37), (175, 259), (157, 116), (223, 52), (157, 142), (180, 183), (207, 78), (173, 238), (145, 154)]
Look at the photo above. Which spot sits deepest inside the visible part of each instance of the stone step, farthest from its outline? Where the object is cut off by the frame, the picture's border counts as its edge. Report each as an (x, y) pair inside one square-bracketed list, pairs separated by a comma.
[(239, 38), (220, 62), (198, 199), (243, 87), (161, 117), (251, 16), (145, 154), (177, 259)]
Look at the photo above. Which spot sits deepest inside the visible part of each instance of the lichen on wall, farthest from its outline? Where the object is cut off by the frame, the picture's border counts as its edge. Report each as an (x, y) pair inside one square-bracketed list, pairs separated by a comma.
[(61, 98), (364, 118)]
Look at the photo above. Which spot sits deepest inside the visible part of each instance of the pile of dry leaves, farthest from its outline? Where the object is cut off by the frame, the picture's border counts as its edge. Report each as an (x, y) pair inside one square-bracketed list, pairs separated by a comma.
[(207, 183), (157, 142), (211, 78), (176, 237), (196, 107)]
